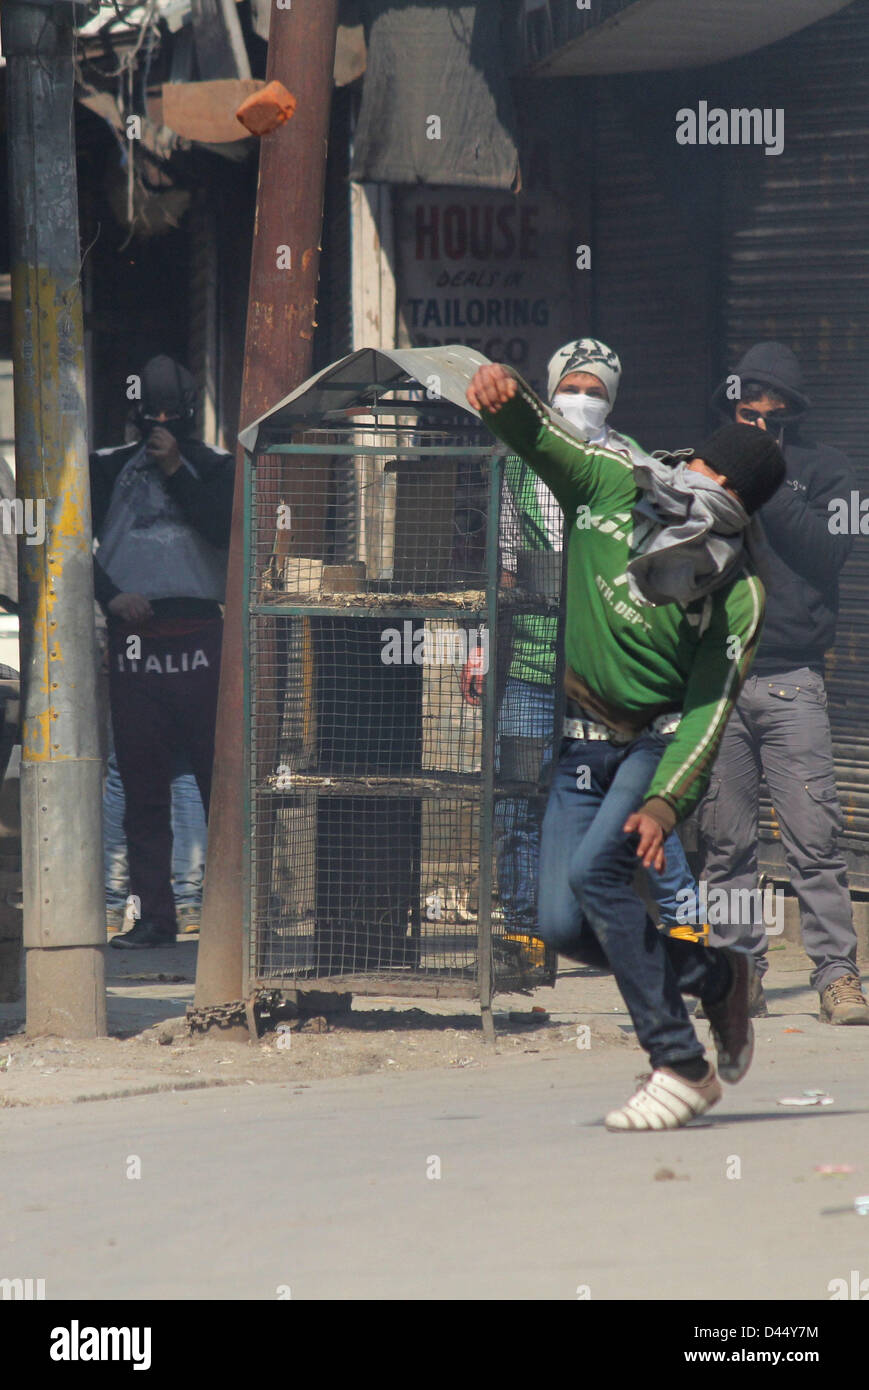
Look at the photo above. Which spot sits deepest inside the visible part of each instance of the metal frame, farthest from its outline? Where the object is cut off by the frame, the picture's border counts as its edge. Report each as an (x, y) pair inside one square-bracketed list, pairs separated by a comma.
[(300, 439), (482, 989)]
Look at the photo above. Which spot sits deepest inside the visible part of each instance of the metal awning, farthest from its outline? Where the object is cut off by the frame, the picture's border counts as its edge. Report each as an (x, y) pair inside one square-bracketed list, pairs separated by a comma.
[(657, 35), (356, 379)]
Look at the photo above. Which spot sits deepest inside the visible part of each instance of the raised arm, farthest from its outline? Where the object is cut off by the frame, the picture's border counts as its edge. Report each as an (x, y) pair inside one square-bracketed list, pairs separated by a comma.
[(573, 471)]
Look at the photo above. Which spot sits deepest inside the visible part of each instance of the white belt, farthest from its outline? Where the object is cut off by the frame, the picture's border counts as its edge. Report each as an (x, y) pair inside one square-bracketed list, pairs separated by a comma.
[(590, 731)]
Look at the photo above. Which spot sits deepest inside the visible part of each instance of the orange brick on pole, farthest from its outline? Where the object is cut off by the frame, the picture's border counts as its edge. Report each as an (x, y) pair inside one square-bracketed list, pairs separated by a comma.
[(265, 110)]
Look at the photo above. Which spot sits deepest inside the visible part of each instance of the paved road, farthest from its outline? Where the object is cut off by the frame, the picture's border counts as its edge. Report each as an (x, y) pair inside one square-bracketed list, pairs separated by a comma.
[(325, 1189)]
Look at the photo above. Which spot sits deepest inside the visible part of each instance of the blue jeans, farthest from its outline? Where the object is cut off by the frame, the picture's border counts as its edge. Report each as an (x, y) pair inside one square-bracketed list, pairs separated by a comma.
[(188, 840), (588, 907), (527, 711), (671, 887)]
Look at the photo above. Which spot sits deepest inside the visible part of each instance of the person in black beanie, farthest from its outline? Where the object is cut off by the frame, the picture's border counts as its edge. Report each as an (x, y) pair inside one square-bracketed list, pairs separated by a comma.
[(780, 725), (749, 461)]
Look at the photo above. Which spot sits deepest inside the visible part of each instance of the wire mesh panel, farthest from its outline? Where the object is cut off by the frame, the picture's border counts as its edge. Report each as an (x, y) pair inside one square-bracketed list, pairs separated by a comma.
[(382, 643), (527, 677)]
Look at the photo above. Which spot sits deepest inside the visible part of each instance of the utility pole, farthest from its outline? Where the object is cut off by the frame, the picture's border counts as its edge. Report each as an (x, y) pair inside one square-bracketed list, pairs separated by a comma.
[(279, 339), (61, 768)]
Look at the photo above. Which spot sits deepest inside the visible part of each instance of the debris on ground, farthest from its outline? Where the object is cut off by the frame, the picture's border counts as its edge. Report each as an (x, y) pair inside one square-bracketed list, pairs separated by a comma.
[(529, 1017), (808, 1098)]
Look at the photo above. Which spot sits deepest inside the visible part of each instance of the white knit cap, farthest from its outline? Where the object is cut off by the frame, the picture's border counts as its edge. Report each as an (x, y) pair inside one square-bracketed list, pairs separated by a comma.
[(585, 355)]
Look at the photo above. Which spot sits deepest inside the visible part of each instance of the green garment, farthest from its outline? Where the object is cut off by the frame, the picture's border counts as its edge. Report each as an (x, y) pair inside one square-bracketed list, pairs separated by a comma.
[(637, 659), (534, 637)]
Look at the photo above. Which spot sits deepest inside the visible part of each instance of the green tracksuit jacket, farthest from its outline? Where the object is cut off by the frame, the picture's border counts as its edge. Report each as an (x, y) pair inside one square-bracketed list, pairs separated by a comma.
[(637, 660)]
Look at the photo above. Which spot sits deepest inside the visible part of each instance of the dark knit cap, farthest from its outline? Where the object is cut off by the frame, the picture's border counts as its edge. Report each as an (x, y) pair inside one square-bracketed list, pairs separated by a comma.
[(749, 459), (169, 387)]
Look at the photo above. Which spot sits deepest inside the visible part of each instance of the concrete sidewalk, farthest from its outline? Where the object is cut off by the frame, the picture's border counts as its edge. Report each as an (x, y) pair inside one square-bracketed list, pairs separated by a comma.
[(149, 1048)]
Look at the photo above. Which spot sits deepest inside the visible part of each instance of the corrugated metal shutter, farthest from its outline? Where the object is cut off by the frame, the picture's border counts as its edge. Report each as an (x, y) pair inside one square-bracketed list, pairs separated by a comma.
[(334, 335), (651, 278), (797, 269)]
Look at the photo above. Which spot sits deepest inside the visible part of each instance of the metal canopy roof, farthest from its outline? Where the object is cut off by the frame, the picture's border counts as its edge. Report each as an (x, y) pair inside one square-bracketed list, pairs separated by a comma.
[(651, 35), (358, 380)]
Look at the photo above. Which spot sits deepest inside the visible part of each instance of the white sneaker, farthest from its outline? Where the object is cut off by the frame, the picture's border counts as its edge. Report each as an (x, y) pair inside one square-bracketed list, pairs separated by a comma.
[(666, 1101)]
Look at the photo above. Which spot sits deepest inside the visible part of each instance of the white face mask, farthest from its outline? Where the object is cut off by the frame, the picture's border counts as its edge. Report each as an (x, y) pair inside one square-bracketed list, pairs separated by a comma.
[(586, 413)]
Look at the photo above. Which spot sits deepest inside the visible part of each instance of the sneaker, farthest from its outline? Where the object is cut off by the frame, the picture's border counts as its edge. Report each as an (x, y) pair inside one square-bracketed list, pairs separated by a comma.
[(666, 1101), (730, 1020), (114, 920), (188, 919), (844, 1001), (143, 935)]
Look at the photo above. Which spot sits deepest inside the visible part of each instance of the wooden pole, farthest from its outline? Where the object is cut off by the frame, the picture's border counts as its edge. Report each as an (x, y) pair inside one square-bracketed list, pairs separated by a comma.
[(279, 339)]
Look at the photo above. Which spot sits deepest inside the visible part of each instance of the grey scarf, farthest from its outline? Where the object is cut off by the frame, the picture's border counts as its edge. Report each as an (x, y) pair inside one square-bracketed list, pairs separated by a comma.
[(689, 537)]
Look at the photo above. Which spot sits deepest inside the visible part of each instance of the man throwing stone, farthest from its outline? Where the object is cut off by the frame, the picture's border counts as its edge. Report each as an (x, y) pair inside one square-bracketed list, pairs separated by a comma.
[(664, 610)]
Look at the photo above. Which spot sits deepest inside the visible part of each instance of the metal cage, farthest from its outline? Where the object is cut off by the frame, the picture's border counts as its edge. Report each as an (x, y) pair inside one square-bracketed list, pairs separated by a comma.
[(382, 806)]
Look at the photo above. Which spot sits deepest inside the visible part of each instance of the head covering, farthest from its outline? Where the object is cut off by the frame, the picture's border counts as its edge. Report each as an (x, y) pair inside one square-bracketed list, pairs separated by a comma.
[(585, 355), (167, 387), (750, 460), (690, 536), (772, 365)]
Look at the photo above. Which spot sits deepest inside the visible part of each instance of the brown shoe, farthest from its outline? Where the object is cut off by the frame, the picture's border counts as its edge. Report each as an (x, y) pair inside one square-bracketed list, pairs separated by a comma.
[(844, 1001), (730, 1020), (757, 1005)]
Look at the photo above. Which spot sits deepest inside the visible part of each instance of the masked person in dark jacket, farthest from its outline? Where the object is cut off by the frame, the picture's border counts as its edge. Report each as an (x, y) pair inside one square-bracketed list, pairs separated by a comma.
[(162, 509), (780, 725)]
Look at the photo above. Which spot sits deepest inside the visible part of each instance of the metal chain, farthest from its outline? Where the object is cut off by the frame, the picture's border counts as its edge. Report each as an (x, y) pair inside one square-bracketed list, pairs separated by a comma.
[(216, 1015), (238, 1012)]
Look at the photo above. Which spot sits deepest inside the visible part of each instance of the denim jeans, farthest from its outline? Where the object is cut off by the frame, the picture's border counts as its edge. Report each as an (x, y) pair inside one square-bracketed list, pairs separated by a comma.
[(672, 886), (188, 840), (527, 711), (589, 909)]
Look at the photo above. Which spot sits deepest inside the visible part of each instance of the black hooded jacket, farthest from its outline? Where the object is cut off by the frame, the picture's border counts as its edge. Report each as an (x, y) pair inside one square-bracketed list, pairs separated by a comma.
[(204, 494), (205, 499), (805, 559)]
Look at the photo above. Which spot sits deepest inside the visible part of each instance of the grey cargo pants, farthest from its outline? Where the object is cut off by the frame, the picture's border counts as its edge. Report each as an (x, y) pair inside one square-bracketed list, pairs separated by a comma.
[(780, 727)]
